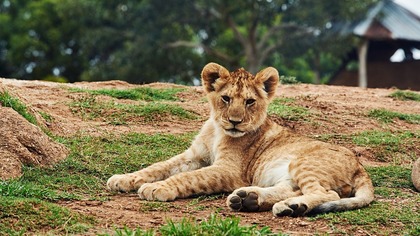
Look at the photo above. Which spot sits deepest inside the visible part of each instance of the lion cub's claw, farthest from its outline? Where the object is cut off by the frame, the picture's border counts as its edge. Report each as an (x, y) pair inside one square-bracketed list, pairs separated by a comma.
[(282, 209), (124, 183), (243, 201), (156, 192), (119, 183)]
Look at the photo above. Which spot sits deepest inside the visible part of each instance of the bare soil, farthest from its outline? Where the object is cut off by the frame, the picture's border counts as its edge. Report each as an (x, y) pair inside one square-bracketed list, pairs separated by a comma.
[(339, 110)]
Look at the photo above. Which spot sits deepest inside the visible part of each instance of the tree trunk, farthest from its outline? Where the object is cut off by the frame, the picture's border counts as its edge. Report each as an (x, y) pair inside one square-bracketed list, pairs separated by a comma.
[(317, 65), (363, 49)]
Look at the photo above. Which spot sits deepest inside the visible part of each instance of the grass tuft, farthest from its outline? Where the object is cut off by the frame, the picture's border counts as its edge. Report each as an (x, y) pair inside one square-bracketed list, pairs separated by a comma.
[(142, 93), (406, 95), (394, 147), (19, 216), (390, 176), (289, 80), (281, 108), (7, 100), (16, 188), (214, 225), (380, 218), (388, 116), (90, 108)]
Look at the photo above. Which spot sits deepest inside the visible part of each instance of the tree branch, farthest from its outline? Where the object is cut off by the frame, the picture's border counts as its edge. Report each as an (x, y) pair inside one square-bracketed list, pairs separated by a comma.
[(236, 32), (273, 30)]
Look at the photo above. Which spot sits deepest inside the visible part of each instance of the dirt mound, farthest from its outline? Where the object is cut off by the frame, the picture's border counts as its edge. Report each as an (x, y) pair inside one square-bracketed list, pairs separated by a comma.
[(24, 143)]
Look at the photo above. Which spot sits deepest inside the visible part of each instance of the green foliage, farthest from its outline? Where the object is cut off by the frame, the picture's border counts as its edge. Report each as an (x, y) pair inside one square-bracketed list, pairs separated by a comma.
[(145, 41), (387, 116), (8, 101), (19, 216), (281, 108), (288, 80), (406, 95)]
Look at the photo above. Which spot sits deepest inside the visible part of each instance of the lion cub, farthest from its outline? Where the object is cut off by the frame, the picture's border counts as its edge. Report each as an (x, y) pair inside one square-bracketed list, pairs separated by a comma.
[(240, 149)]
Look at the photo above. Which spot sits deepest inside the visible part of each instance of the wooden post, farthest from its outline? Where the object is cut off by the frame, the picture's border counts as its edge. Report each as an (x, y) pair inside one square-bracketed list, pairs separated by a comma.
[(363, 49)]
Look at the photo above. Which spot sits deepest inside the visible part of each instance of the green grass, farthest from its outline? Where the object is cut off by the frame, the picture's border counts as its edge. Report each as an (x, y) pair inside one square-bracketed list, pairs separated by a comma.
[(396, 147), (385, 216), (213, 226), (90, 108), (7, 100), (80, 176), (388, 116), (91, 162), (283, 109), (406, 95), (289, 80), (94, 159), (156, 206), (380, 218), (151, 110), (393, 147), (20, 216), (21, 189), (27, 204), (142, 93), (391, 176)]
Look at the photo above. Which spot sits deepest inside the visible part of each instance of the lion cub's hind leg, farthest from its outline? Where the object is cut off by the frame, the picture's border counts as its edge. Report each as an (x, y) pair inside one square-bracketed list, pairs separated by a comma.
[(253, 198)]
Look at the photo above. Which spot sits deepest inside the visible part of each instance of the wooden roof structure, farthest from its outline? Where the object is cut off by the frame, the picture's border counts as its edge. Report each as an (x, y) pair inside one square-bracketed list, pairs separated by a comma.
[(386, 20), (385, 28)]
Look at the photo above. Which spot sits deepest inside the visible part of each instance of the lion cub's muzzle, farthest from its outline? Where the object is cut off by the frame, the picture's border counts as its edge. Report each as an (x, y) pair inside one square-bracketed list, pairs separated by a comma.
[(233, 128)]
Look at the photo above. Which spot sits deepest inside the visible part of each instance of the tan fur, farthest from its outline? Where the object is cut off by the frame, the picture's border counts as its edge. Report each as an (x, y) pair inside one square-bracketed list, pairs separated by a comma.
[(266, 166)]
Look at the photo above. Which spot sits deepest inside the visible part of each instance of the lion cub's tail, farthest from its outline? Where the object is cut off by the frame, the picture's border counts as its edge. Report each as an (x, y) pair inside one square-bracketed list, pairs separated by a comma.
[(364, 195)]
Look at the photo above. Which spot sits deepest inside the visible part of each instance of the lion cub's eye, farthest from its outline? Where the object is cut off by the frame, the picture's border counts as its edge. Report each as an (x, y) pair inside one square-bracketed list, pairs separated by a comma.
[(226, 99), (250, 102)]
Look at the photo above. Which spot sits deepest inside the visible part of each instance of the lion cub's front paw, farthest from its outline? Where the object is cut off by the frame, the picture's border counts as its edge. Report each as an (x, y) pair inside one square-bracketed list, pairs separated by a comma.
[(243, 201), (124, 183), (156, 191)]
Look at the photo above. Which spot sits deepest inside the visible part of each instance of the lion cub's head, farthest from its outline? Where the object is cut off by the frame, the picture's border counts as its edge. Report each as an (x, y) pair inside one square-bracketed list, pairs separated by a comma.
[(238, 99)]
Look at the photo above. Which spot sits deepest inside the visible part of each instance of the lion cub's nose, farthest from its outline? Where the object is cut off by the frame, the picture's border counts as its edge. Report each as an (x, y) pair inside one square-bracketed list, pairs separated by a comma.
[(235, 122)]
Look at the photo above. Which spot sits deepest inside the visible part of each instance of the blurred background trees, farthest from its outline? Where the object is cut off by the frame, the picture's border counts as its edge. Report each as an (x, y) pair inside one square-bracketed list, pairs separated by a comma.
[(142, 41)]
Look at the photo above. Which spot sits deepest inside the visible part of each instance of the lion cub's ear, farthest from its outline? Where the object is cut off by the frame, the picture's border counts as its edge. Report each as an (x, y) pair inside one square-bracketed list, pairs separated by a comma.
[(269, 79), (211, 72)]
